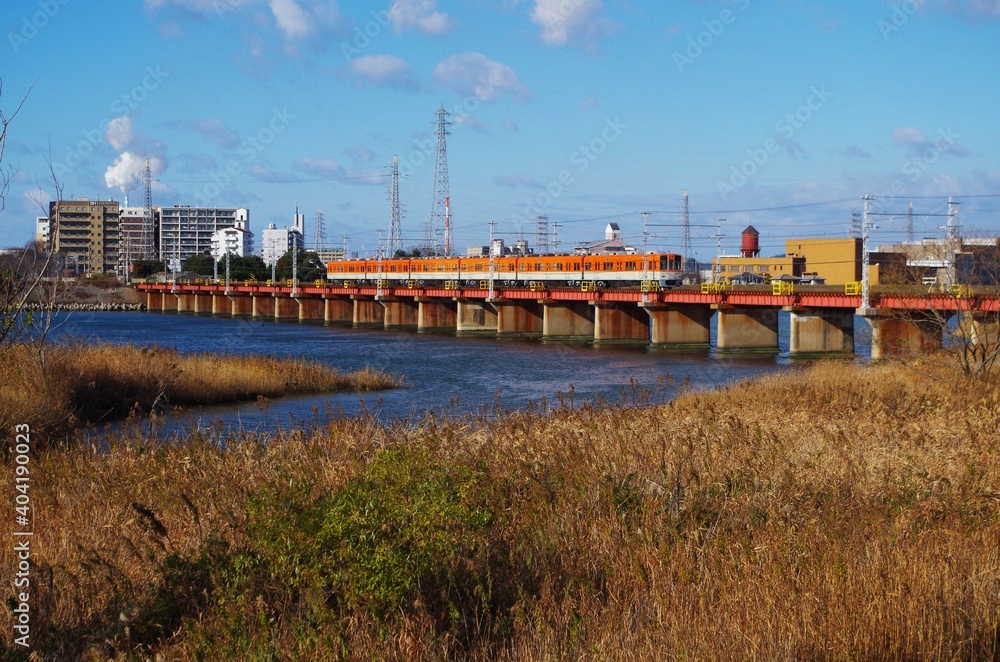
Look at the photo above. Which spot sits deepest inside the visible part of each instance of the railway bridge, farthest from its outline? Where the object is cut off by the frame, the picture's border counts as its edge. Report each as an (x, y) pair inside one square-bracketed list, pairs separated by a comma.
[(822, 320)]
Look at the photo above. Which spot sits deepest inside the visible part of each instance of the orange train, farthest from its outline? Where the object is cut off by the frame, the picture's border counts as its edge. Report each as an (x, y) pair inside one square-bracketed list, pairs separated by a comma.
[(623, 270)]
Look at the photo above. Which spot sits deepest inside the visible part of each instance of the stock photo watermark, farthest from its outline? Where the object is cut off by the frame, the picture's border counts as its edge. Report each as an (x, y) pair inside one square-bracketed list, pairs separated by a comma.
[(33, 24), (22, 536), (786, 127), (581, 159), (712, 30), (900, 16), (249, 150), (121, 106)]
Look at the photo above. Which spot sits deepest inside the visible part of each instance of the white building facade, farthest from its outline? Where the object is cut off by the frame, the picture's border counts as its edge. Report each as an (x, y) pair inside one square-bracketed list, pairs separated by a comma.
[(187, 231), (275, 241), (237, 240)]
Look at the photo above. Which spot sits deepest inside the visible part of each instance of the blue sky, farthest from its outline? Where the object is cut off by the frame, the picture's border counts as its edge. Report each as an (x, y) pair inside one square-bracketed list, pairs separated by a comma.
[(777, 113)]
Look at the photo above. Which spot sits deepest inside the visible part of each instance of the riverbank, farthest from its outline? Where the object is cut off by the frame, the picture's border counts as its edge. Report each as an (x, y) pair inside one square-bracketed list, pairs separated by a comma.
[(60, 387), (837, 512)]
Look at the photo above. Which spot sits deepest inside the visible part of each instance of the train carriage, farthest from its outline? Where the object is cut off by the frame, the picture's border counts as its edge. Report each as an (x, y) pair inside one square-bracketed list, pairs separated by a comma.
[(605, 271)]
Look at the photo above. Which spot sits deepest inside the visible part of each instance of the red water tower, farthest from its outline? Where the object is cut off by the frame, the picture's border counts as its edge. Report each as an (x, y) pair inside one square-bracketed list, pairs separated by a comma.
[(750, 247)]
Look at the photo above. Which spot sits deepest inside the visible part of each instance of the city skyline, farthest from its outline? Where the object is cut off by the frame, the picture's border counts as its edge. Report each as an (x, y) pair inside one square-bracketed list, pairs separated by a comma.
[(585, 111)]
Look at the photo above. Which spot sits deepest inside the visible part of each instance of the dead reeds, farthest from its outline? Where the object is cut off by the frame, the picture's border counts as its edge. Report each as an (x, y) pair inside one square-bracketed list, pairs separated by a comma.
[(837, 512), (69, 385)]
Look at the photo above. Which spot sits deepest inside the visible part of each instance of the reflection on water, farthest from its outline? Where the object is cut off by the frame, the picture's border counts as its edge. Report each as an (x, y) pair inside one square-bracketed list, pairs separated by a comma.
[(442, 373)]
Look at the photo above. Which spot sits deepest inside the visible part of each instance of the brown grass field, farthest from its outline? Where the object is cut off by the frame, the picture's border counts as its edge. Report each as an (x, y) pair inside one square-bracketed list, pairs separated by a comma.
[(836, 512), (76, 384)]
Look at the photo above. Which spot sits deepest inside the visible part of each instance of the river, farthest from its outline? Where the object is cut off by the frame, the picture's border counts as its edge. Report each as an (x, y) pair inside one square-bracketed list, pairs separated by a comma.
[(443, 374)]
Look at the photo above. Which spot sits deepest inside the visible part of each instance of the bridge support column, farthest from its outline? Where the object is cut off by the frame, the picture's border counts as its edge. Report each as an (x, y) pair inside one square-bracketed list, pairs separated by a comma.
[(185, 303), (221, 305), (242, 305), (821, 331), (398, 313), (154, 301), (517, 319), (285, 308), (619, 323), (310, 308), (474, 316), (263, 305), (983, 329), (567, 320), (368, 311), (338, 310), (748, 328), (679, 326), (902, 333), (435, 314), (203, 304), (169, 302)]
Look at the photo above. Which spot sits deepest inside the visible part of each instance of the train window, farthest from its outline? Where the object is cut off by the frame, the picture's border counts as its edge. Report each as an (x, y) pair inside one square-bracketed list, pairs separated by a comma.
[(559, 266), (523, 266), (607, 266)]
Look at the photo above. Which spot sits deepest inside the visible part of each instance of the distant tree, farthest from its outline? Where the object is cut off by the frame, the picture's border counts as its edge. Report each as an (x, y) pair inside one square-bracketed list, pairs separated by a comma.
[(310, 267), (147, 268), (243, 268), (203, 264)]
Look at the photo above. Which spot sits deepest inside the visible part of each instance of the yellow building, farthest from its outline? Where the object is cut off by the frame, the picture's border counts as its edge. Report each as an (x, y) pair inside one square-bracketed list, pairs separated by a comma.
[(86, 233), (734, 266), (836, 260)]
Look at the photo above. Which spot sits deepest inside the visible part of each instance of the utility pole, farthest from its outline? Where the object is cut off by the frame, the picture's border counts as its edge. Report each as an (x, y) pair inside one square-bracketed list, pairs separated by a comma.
[(717, 267), (378, 284), (147, 246), (954, 240), (909, 224), (645, 242), (227, 271), (555, 237), (865, 233), (319, 238), (490, 294), (295, 265)]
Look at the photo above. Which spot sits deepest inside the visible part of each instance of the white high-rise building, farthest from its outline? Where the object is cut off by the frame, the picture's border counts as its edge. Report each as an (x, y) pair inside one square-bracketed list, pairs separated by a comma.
[(275, 241), (187, 231), (237, 240)]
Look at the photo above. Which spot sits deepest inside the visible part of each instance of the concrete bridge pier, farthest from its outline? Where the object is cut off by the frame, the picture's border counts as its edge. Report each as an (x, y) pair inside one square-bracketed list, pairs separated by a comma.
[(185, 303), (202, 304), (474, 317), (436, 314), (338, 310), (154, 301), (567, 320), (619, 323), (169, 302), (263, 305), (398, 313), (821, 331), (518, 319), (221, 305), (747, 328), (368, 312), (285, 307), (242, 305), (982, 328), (679, 326), (903, 333), (310, 308)]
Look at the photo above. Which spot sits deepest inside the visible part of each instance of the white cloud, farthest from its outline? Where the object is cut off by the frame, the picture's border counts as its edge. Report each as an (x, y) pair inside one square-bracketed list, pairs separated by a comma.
[(421, 15), (127, 170), (384, 70), (119, 133), (475, 74), (474, 124), (917, 141), (213, 130), (292, 20), (563, 21), (325, 166)]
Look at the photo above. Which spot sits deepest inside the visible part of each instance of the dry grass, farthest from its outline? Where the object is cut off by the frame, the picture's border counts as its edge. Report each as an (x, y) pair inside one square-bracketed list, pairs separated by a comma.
[(834, 513), (89, 384)]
